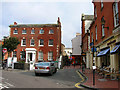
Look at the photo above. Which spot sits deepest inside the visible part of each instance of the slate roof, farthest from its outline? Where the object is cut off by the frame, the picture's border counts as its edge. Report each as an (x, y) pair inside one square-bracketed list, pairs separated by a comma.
[(35, 25)]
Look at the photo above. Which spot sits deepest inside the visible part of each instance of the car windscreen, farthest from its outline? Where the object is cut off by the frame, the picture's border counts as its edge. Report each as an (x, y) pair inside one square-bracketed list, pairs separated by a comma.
[(43, 64)]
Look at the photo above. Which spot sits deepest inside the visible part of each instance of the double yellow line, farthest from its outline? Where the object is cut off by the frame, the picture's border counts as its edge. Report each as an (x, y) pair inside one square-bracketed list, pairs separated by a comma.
[(78, 84)]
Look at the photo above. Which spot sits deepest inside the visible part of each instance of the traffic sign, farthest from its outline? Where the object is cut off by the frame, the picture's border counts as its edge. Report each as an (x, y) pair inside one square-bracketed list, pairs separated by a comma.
[(4, 50)]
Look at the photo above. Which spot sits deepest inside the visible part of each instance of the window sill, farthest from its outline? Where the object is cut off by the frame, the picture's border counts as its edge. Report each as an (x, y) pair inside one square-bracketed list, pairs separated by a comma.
[(102, 37), (23, 45), (41, 45), (50, 45), (32, 45), (15, 33), (23, 33), (32, 33)]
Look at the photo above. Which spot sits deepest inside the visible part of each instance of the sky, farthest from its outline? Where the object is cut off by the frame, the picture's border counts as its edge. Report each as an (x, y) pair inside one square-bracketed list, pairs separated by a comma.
[(45, 12)]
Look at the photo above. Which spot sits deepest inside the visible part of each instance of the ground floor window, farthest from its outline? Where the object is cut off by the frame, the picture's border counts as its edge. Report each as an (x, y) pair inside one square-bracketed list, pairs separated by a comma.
[(14, 53), (40, 56), (22, 55), (105, 60), (50, 55)]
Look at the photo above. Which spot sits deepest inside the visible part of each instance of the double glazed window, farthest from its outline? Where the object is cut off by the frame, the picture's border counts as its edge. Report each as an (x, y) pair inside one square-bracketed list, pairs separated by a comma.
[(32, 42), (23, 31), (14, 53), (23, 42), (103, 31), (41, 31), (50, 42), (32, 31), (50, 55), (41, 42), (116, 15), (51, 31), (15, 31), (22, 55), (40, 55)]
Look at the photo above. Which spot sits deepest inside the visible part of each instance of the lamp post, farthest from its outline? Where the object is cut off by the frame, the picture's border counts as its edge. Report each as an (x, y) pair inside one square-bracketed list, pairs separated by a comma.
[(93, 65)]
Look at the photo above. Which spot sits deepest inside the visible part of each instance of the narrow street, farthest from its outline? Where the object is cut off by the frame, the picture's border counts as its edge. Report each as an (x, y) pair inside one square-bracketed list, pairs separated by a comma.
[(64, 78)]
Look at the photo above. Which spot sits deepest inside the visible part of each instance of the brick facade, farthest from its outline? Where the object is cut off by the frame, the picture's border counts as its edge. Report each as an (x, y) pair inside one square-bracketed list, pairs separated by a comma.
[(56, 37)]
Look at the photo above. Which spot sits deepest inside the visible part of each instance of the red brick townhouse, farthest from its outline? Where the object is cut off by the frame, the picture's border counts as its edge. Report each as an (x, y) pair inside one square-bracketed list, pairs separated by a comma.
[(38, 42), (86, 21), (105, 30)]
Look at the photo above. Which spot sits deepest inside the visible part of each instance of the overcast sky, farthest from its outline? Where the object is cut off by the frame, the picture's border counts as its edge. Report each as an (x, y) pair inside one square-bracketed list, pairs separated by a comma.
[(45, 12)]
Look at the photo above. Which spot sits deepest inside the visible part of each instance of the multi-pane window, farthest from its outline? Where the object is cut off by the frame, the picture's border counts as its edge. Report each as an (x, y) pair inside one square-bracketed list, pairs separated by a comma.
[(23, 42), (41, 42), (50, 55), (14, 53), (101, 4), (32, 42), (51, 31), (96, 32), (32, 31), (103, 31), (15, 31), (116, 15), (23, 31), (22, 55), (50, 42), (40, 55), (92, 36), (95, 12), (41, 31)]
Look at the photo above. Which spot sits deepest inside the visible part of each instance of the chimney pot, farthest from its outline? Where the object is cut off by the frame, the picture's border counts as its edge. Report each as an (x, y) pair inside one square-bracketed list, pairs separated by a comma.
[(15, 23)]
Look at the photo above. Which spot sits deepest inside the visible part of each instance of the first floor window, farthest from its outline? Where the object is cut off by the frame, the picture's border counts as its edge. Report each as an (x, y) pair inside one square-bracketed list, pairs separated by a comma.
[(41, 31), (40, 55), (116, 14), (41, 42), (22, 55), (103, 31), (50, 55), (14, 53), (23, 42), (32, 31), (96, 32), (50, 42), (32, 42)]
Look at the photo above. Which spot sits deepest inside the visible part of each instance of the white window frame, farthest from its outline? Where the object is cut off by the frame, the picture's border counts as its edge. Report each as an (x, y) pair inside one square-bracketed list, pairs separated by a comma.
[(50, 55), (96, 32), (102, 4), (40, 41), (14, 53), (41, 32), (15, 32), (24, 32), (95, 12), (32, 32), (31, 42), (116, 14), (40, 56), (103, 31), (50, 31), (49, 42), (22, 42)]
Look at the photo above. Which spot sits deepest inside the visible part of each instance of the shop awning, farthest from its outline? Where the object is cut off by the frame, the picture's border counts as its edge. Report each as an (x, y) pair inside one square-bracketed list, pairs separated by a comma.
[(115, 49), (104, 52)]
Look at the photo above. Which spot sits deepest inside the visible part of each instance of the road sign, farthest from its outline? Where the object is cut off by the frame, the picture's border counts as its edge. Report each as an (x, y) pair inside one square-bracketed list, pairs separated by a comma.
[(4, 50)]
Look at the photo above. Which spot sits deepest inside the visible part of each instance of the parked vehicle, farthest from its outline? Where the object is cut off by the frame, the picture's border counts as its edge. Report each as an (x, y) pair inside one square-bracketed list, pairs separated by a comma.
[(45, 67)]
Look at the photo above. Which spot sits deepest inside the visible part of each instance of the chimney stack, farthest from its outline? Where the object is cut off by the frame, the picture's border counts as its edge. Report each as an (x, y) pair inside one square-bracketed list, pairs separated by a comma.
[(15, 23), (58, 21)]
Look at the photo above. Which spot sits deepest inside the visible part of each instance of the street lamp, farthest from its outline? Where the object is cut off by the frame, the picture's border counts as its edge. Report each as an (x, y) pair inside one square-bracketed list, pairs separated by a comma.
[(103, 23)]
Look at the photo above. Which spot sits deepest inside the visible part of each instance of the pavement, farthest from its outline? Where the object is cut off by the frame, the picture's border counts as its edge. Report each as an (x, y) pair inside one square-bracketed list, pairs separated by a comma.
[(100, 81)]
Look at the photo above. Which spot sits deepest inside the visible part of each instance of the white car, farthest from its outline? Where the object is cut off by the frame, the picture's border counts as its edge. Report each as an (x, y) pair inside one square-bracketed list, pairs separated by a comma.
[(45, 67)]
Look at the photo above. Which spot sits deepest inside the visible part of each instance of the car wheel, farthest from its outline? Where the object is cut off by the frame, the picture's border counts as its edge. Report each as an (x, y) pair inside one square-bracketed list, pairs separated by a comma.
[(55, 70), (51, 73), (36, 74)]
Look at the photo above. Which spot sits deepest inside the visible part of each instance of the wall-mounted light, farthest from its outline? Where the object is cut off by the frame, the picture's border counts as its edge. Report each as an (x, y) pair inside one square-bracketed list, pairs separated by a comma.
[(103, 23)]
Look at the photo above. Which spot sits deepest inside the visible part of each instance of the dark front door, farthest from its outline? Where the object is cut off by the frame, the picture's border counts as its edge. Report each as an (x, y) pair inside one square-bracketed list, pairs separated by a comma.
[(30, 56)]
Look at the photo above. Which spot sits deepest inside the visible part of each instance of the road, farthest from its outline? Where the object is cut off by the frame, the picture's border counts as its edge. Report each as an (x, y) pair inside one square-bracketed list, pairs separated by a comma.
[(64, 78)]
